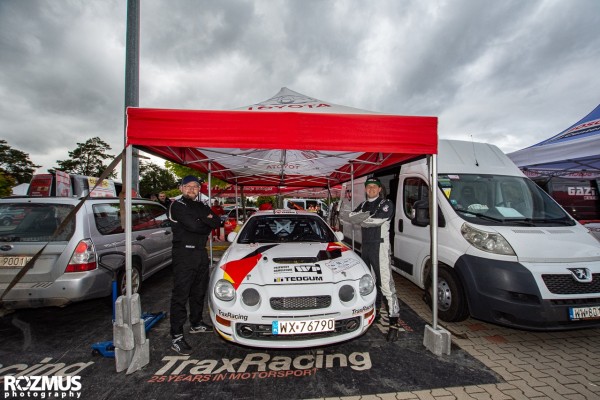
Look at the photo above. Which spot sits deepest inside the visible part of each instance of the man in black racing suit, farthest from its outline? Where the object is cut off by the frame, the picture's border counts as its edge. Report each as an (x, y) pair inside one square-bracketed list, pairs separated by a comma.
[(375, 250), (192, 221)]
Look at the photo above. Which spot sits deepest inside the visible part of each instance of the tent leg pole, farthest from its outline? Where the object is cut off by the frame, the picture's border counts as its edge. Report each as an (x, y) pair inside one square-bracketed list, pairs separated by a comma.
[(435, 339)]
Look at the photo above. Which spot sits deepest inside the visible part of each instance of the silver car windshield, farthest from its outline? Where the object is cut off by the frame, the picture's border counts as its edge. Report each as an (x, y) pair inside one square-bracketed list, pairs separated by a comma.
[(498, 199), (34, 222)]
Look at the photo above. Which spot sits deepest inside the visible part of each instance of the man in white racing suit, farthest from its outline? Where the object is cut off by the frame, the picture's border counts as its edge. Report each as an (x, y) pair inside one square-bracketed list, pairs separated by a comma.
[(375, 250)]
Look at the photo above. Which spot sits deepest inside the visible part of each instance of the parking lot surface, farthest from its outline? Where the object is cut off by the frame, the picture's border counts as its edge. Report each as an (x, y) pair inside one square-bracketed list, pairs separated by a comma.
[(486, 361)]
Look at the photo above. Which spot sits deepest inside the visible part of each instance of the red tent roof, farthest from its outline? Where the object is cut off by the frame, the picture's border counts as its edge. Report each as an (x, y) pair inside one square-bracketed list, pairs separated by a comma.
[(288, 140)]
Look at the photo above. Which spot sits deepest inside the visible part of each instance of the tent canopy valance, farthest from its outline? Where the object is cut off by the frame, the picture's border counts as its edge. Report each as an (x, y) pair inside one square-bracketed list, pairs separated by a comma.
[(288, 140)]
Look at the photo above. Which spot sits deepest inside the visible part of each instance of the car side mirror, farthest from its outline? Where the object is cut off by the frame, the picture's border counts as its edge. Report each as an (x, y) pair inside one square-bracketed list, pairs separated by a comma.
[(339, 235)]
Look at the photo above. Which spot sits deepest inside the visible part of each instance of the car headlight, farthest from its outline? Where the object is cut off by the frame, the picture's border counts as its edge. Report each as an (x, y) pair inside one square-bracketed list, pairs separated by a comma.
[(487, 241), (250, 297), (346, 293), (224, 290), (366, 285)]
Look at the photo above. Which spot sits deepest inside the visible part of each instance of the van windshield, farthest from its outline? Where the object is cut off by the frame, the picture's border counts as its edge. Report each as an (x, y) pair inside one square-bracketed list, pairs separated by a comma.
[(34, 222), (498, 199)]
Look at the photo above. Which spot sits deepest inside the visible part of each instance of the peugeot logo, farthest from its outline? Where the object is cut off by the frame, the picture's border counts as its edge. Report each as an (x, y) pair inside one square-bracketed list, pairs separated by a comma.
[(581, 274)]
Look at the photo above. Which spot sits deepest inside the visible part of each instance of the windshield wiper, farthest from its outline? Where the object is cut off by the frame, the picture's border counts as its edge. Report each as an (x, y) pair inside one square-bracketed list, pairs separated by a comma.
[(523, 221), (562, 221), (482, 216)]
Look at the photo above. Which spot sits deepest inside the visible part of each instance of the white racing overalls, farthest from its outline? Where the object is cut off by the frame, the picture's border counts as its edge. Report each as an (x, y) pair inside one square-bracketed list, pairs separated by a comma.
[(375, 250)]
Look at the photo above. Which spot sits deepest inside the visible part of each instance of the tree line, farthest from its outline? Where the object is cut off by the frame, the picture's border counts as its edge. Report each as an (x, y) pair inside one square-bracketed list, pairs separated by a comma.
[(90, 158)]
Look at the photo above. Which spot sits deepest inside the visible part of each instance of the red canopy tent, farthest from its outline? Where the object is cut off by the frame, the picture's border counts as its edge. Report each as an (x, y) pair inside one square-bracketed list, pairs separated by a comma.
[(288, 140)]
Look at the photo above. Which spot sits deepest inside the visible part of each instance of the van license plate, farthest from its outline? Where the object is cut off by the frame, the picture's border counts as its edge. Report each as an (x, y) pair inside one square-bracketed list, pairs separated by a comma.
[(581, 313), (302, 327), (13, 262)]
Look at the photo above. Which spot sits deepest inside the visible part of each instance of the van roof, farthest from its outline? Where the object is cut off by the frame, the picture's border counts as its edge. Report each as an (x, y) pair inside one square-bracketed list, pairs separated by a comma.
[(457, 156)]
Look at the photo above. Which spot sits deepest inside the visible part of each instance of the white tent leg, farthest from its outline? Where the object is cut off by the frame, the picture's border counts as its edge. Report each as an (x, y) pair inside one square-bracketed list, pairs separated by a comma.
[(437, 340)]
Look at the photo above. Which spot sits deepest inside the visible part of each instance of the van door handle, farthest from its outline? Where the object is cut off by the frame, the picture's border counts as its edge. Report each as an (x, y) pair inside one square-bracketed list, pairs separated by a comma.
[(141, 237), (167, 232)]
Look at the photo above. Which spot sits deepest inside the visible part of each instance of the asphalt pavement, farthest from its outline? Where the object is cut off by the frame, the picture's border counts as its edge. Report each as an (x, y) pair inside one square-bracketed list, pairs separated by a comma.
[(486, 361)]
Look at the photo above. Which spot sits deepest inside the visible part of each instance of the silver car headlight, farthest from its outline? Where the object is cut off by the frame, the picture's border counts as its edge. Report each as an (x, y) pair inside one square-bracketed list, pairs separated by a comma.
[(224, 290), (366, 285), (487, 241)]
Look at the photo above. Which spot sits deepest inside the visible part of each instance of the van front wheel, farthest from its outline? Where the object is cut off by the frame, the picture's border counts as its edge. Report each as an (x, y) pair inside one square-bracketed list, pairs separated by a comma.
[(136, 280), (452, 304)]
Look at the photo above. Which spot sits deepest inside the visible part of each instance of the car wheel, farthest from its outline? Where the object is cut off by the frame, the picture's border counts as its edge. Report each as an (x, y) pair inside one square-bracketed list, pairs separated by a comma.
[(452, 303), (136, 280)]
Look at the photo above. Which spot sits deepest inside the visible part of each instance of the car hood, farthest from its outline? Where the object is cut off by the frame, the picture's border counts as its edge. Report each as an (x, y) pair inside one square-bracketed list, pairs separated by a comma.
[(291, 263)]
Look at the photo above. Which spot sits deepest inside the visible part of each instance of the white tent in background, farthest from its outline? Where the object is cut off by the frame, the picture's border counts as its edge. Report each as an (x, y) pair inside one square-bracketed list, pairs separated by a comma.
[(574, 152), (20, 190)]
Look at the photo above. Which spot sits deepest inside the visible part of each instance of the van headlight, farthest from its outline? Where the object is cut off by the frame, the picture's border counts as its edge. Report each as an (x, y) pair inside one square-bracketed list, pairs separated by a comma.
[(487, 241), (366, 285), (224, 290)]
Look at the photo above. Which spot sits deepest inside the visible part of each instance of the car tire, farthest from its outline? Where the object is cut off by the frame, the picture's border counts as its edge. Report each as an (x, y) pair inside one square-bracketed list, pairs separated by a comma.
[(136, 280), (452, 302)]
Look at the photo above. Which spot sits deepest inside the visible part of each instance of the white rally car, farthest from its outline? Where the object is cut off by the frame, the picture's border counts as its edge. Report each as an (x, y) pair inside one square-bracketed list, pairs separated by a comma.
[(287, 281)]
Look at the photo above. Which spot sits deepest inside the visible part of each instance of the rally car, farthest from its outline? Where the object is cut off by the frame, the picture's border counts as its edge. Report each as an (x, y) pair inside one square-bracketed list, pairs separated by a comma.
[(287, 281)]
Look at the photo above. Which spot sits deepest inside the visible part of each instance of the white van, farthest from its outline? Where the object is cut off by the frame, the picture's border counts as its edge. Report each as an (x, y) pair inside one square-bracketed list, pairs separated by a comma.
[(306, 204), (508, 253)]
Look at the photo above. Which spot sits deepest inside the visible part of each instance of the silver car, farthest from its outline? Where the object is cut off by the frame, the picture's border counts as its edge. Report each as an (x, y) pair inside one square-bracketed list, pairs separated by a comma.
[(68, 269)]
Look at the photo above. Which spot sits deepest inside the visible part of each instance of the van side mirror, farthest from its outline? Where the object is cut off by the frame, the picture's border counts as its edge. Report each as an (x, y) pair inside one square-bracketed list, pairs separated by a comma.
[(421, 214)]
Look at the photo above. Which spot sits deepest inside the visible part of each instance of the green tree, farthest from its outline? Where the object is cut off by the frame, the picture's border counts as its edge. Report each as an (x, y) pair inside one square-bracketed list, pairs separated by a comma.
[(182, 171), (7, 182), (88, 159), (154, 179), (16, 164)]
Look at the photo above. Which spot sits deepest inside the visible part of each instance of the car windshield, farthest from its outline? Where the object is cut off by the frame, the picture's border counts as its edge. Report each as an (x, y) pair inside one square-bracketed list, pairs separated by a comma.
[(34, 222), (286, 228), (498, 199)]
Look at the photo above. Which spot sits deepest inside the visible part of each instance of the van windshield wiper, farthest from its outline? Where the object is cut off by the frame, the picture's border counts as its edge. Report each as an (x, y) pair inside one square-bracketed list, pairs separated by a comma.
[(482, 216), (562, 221), (523, 221)]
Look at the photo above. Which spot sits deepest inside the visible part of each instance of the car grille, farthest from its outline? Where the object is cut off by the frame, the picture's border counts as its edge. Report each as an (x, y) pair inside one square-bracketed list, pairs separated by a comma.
[(264, 331), (566, 284), (300, 303)]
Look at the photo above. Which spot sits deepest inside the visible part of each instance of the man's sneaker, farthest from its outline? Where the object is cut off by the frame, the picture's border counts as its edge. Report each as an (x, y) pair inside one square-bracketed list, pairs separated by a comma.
[(200, 327), (181, 346)]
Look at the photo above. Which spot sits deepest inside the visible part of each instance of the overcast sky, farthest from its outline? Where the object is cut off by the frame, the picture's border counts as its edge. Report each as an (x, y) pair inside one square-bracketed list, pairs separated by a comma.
[(510, 73)]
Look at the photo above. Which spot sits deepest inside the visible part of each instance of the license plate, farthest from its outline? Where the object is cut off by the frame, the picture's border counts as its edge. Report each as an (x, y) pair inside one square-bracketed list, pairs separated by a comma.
[(13, 261), (580, 313), (302, 327)]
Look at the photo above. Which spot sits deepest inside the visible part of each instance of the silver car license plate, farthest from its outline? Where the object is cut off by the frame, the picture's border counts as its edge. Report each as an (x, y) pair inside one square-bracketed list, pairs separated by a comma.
[(13, 261)]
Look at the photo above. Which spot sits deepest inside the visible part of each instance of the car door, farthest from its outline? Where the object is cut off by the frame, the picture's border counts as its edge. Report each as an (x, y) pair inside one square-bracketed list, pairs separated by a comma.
[(152, 231)]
